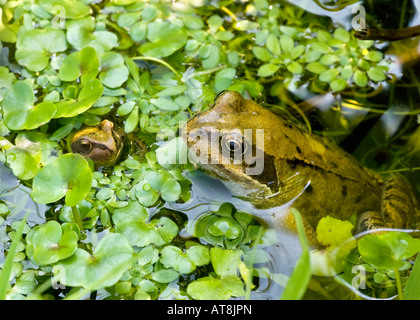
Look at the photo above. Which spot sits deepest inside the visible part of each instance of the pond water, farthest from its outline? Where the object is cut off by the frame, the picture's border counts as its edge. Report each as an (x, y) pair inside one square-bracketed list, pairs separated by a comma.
[(376, 123)]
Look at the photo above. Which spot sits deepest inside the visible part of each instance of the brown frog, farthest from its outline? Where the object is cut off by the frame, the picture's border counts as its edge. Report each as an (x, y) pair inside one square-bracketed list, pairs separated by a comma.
[(104, 143), (299, 170)]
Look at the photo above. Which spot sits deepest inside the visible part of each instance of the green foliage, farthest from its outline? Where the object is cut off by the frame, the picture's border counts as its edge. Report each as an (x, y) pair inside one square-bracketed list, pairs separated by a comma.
[(68, 176)]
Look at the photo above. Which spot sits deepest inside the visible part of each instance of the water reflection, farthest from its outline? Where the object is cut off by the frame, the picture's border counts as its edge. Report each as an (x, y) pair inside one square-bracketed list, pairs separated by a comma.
[(207, 196)]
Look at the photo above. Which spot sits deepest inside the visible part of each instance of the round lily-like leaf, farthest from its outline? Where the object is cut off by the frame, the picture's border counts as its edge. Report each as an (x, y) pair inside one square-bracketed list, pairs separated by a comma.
[(72, 9), (185, 262), (83, 63), (104, 267), (32, 150), (388, 250), (209, 288), (165, 38), (113, 70), (89, 94), (80, 34), (50, 244), (19, 111), (69, 175), (158, 183), (131, 221), (34, 47)]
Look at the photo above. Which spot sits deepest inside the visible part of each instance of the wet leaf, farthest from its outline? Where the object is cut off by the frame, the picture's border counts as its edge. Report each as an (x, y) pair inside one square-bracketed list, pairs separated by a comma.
[(34, 47), (50, 244), (388, 250), (69, 175), (111, 257), (20, 112), (165, 38)]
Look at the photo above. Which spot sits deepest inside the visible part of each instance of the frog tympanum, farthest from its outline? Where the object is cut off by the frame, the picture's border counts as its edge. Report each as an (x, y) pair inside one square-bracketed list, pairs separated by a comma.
[(103, 144), (299, 170)]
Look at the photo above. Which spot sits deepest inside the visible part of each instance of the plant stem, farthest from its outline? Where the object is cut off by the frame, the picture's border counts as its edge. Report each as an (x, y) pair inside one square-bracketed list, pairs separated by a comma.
[(77, 218), (399, 286), (162, 62)]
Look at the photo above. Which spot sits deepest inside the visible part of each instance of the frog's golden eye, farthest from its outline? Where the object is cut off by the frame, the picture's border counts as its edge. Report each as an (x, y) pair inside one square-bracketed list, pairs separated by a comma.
[(84, 146), (233, 144)]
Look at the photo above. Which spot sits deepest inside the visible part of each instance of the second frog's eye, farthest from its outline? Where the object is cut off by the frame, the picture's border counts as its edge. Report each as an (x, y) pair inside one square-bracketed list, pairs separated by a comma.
[(84, 146), (233, 144)]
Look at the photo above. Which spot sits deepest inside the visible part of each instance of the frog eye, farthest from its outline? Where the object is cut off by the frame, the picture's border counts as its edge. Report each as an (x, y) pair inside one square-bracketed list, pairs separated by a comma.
[(233, 144), (84, 146)]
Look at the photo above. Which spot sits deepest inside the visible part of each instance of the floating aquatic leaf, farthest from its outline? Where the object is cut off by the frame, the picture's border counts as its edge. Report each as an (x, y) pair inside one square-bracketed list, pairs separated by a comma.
[(19, 109), (69, 175), (50, 244), (388, 250), (185, 261), (165, 38), (113, 70), (267, 70), (72, 9), (83, 63), (87, 96), (111, 257), (34, 47), (81, 33), (131, 221)]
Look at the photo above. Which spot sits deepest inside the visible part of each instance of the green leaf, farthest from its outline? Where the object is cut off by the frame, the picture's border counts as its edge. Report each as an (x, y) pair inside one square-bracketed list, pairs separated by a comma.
[(412, 289), (89, 94), (165, 104), (113, 70), (328, 59), (376, 74), (316, 67), (342, 35), (338, 85), (34, 47), (7, 267), (329, 75), (295, 68), (225, 262), (224, 79), (208, 288), (165, 38), (131, 222), (374, 56), (262, 54), (287, 43), (50, 244), (19, 111), (388, 250), (301, 274), (84, 63), (73, 9), (273, 45), (360, 78), (185, 262), (111, 257), (267, 70), (80, 34), (69, 175)]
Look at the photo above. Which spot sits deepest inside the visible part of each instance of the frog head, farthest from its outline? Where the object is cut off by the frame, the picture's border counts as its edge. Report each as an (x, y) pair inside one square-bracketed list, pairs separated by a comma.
[(102, 144), (230, 139)]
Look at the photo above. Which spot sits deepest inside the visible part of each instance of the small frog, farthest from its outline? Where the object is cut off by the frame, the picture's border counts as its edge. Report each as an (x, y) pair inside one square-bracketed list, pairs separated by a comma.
[(299, 170), (104, 143)]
